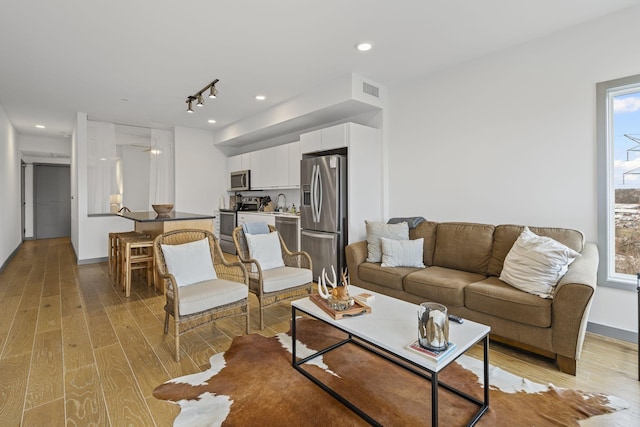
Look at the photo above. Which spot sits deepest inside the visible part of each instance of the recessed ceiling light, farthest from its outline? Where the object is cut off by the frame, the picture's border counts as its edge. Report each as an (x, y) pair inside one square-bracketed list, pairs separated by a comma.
[(40, 126), (211, 121), (261, 97), (364, 46)]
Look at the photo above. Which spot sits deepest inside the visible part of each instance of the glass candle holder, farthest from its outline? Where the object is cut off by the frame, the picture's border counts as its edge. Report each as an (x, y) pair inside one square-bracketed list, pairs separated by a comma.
[(433, 326)]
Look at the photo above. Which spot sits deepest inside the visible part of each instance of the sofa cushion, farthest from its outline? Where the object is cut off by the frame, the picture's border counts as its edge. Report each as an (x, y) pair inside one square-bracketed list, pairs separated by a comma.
[(439, 284), (493, 296), (506, 235), (427, 231), (382, 276), (463, 246)]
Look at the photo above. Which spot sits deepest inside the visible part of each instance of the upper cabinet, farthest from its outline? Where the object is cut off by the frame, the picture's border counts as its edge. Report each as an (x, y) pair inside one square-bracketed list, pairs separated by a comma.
[(276, 167), (325, 139), (241, 162)]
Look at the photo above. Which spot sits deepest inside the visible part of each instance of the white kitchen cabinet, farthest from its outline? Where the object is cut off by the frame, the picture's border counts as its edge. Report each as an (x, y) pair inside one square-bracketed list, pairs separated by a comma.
[(241, 162), (294, 164), (311, 142), (325, 139), (270, 168), (280, 170)]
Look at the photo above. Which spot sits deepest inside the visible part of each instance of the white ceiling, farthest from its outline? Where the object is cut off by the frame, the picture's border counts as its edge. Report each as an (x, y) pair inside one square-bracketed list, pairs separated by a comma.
[(64, 56)]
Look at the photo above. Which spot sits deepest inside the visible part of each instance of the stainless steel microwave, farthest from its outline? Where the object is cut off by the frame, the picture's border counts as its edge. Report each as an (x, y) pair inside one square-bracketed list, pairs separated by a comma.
[(240, 181)]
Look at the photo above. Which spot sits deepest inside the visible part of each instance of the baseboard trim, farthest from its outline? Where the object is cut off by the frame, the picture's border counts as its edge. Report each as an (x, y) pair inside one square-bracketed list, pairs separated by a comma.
[(92, 260), (4, 264), (611, 332)]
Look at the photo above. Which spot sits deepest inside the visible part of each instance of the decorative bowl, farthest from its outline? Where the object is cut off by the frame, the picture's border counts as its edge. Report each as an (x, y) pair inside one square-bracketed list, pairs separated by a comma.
[(162, 209), (339, 304)]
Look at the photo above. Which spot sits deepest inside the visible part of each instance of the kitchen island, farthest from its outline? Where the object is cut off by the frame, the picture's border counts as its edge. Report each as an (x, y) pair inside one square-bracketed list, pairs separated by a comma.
[(154, 224)]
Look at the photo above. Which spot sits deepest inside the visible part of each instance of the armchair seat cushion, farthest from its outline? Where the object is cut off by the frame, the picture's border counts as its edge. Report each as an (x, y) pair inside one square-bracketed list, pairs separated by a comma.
[(210, 293), (281, 278)]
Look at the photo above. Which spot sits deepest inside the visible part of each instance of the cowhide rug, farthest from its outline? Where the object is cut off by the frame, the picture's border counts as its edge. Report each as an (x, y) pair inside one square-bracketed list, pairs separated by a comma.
[(253, 383)]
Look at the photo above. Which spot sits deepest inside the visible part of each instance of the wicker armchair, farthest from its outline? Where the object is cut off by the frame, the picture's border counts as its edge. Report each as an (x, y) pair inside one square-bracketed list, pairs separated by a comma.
[(186, 303), (277, 284)]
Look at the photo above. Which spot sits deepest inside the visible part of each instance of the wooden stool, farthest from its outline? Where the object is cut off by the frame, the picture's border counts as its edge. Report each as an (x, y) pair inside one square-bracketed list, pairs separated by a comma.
[(136, 253), (114, 249)]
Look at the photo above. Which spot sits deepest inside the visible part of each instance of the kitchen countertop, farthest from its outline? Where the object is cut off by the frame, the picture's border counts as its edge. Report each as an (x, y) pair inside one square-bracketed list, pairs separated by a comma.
[(152, 216), (286, 214)]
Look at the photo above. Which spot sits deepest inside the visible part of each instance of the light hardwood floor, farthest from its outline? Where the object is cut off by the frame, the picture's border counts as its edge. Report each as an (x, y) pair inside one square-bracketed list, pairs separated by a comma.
[(75, 351)]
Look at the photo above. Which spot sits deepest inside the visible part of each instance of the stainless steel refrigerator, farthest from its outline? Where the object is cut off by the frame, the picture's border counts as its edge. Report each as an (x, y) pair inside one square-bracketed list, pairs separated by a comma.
[(323, 210)]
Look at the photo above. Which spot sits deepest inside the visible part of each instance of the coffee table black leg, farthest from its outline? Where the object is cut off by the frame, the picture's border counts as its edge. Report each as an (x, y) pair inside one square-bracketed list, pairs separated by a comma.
[(486, 370), (434, 399), (293, 336)]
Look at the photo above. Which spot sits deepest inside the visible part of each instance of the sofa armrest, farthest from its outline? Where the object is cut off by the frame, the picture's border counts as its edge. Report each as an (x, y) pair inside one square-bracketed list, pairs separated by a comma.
[(356, 254), (572, 302)]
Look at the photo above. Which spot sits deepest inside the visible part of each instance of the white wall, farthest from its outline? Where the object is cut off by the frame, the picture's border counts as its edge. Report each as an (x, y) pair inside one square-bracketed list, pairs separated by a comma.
[(89, 235), (10, 214), (201, 171), (510, 138)]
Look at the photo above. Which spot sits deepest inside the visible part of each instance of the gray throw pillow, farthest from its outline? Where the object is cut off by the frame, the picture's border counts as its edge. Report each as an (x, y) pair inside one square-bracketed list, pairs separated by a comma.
[(377, 230)]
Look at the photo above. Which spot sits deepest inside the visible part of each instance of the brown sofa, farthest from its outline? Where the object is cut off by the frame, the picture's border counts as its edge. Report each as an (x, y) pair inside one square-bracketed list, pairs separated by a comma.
[(463, 264)]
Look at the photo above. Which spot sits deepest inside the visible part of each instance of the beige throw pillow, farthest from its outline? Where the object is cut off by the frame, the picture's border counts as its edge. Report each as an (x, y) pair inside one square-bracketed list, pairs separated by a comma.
[(377, 230), (535, 264)]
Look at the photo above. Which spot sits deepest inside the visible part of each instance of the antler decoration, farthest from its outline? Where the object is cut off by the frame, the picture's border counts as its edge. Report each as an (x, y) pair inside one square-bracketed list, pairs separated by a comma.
[(322, 283)]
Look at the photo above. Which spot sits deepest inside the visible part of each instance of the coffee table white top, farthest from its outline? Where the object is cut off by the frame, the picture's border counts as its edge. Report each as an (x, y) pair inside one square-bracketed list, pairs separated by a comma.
[(393, 324)]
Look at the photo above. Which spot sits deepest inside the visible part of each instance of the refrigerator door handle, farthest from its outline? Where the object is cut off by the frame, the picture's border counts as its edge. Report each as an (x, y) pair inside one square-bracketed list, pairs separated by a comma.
[(313, 193), (318, 235), (319, 184)]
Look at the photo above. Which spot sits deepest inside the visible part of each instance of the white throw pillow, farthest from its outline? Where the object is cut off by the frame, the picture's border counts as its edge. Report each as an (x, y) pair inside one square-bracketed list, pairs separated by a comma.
[(535, 263), (265, 248), (402, 253), (189, 262), (377, 230)]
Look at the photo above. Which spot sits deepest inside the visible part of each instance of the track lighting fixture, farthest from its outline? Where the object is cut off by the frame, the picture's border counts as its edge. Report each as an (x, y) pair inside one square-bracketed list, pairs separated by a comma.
[(198, 95)]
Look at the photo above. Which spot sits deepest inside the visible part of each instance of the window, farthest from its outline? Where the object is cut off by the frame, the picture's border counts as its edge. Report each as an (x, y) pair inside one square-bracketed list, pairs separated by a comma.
[(618, 132)]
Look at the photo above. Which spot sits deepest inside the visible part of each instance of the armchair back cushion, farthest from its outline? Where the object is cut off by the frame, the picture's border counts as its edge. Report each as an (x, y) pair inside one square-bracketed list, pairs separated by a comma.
[(189, 262), (265, 248)]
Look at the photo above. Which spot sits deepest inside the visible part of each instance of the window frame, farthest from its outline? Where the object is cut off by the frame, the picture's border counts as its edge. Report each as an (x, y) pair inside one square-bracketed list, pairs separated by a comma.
[(607, 275)]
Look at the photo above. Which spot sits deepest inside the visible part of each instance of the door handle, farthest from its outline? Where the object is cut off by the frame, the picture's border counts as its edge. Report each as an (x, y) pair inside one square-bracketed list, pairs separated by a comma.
[(319, 193), (314, 193), (327, 236)]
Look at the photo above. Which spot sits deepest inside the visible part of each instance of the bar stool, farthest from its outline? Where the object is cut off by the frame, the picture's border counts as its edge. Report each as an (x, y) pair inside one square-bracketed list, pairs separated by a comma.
[(136, 253), (114, 239)]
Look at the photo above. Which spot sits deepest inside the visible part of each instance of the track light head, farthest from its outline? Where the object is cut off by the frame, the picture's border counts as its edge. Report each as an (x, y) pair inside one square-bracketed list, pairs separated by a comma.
[(197, 97)]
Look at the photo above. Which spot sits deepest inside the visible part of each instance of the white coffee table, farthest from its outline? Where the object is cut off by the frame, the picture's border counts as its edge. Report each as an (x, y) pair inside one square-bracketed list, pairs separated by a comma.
[(386, 331)]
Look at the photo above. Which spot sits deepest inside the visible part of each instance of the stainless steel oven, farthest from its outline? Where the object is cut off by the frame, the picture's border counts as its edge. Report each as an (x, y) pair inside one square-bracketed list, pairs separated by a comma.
[(228, 220)]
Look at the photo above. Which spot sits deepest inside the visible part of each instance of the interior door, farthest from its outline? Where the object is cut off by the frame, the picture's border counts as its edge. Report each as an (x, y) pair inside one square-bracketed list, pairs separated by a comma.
[(52, 194)]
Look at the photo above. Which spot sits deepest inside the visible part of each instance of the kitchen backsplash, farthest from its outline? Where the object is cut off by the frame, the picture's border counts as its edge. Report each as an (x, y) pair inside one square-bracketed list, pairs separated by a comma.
[(291, 195)]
